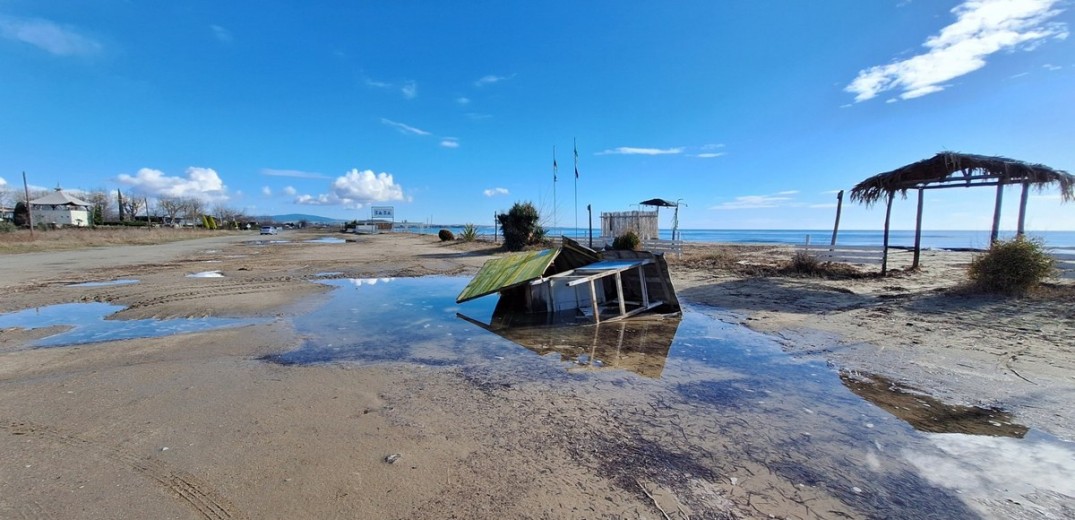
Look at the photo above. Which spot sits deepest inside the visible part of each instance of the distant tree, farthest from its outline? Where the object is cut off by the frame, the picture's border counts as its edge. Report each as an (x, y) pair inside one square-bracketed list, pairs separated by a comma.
[(6, 198), (171, 207), (102, 205), (131, 204), (195, 208), (22, 214)]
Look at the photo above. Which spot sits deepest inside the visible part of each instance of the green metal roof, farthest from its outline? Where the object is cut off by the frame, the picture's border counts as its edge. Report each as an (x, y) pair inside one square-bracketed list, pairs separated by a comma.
[(508, 271)]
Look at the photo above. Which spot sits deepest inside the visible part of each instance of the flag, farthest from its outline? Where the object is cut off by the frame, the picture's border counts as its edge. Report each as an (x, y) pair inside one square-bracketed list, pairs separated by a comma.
[(576, 161), (554, 164)]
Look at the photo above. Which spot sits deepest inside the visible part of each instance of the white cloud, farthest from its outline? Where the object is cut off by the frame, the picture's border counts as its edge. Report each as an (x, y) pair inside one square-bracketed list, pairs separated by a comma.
[(200, 183), (491, 79), (266, 191), (712, 146), (377, 84), (406, 129), (289, 191), (781, 199), (492, 192), (627, 150), (462, 100), (982, 28), (298, 174), (409, 89), (3, 182), (449, 142), (710, 155), (474, 116), (1050, 66), (221, 34), (48, 36), (355, 189)]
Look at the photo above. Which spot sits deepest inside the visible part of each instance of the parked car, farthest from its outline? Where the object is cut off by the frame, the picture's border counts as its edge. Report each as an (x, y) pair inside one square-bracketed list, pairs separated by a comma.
[(268, 230)]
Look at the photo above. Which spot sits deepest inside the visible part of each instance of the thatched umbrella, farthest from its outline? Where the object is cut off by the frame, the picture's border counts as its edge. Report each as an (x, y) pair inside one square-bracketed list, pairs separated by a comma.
[(959, 170)]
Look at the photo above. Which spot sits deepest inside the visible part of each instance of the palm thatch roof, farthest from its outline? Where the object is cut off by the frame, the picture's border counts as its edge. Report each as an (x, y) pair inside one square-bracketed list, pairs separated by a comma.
[(950, 169)]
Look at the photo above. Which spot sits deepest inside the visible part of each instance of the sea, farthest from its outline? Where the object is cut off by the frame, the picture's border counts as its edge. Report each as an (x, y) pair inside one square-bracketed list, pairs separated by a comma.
[(1063, 241)]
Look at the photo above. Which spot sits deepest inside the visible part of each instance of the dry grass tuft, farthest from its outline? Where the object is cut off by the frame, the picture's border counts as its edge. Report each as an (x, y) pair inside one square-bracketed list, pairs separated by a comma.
[(80, 238)]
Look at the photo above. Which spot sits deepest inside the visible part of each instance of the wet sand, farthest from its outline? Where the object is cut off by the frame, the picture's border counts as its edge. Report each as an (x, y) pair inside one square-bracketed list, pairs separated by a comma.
[(200, 426)]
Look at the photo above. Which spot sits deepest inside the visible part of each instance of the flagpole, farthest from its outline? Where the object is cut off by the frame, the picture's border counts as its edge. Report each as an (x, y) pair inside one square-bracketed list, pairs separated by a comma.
[(576, 187), (553, 186)]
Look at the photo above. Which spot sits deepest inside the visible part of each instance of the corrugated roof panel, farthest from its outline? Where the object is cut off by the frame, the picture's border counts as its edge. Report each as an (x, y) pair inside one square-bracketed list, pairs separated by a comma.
[(508, 271)]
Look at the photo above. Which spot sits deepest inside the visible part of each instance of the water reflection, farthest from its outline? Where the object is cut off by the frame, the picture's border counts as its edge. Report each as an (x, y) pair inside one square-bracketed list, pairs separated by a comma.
[(715, 403), (326, 240), (102, 284), (206, 274), (88, 324), (639, 345), (927, 414)]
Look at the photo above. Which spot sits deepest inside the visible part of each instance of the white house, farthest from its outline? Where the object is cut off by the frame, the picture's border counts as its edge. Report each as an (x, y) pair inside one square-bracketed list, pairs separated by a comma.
[(60, 209)]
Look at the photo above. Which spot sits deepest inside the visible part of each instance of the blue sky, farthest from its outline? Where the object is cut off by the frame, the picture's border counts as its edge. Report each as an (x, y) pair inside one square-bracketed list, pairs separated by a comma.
[(753, 113)]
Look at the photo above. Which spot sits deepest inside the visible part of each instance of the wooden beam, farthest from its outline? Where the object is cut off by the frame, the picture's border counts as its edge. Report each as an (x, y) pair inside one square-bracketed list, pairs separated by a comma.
[(884, 248), (839, 207), (1022, 210), (918, 233), (996, 216)]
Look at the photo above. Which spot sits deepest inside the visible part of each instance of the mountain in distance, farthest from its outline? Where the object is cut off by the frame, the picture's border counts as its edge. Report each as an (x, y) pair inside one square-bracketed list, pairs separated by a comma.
[(296, 217)]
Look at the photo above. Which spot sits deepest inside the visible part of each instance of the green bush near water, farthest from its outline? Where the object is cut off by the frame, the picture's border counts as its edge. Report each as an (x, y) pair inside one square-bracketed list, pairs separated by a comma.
[(520, 226), (628, 241), (469, 233), (1011, 267)]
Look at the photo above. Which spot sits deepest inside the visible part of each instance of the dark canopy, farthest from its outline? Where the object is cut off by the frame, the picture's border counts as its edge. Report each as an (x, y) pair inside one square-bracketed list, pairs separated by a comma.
[(661, 203), (950, 169)]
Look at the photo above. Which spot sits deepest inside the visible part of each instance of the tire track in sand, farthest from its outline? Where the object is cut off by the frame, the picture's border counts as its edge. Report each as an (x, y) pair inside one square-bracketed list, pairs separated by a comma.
[(197, 494)]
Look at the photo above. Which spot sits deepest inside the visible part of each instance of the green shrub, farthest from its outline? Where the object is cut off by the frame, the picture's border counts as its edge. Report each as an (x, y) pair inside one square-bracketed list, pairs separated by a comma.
[(520, 226), (445, 235), (469, 233), (1011, 267), (628, 241), (7, 227)]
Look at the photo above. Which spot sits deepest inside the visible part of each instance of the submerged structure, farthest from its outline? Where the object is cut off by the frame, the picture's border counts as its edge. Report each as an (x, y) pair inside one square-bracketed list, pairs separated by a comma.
[(573, 282)]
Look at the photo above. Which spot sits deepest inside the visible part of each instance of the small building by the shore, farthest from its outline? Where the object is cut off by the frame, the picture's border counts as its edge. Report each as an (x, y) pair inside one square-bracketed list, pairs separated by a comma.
[(61, 209), (642, 223)]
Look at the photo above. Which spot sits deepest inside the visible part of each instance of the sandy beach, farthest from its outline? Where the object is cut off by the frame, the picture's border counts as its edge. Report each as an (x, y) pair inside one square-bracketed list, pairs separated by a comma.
[(202, 425)]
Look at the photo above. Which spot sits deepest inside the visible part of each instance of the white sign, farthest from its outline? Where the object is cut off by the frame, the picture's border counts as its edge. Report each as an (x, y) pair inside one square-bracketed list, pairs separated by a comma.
[(385, 212)]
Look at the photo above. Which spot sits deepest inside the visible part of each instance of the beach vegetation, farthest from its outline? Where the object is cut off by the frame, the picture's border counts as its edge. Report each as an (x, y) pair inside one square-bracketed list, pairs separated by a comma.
[(805, 263), (469, 233), (520, 226), (1012, 267), (628, 241), (445, 235)]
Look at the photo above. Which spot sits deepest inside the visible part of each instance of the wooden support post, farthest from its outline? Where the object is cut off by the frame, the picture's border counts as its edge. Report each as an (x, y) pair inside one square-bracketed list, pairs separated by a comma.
[(884, 247), (593, 302), (645, 288), (839, 207), (1022, 210), (996, 215), (918, 232), (619, 294)]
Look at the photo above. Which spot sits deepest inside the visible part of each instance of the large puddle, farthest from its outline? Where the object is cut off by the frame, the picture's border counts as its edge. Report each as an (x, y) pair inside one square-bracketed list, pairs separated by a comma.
[(88, 324), (727, 402)]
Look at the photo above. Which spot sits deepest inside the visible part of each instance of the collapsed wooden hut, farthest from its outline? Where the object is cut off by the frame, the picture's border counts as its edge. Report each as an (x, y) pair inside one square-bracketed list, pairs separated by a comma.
[(959, 170)]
